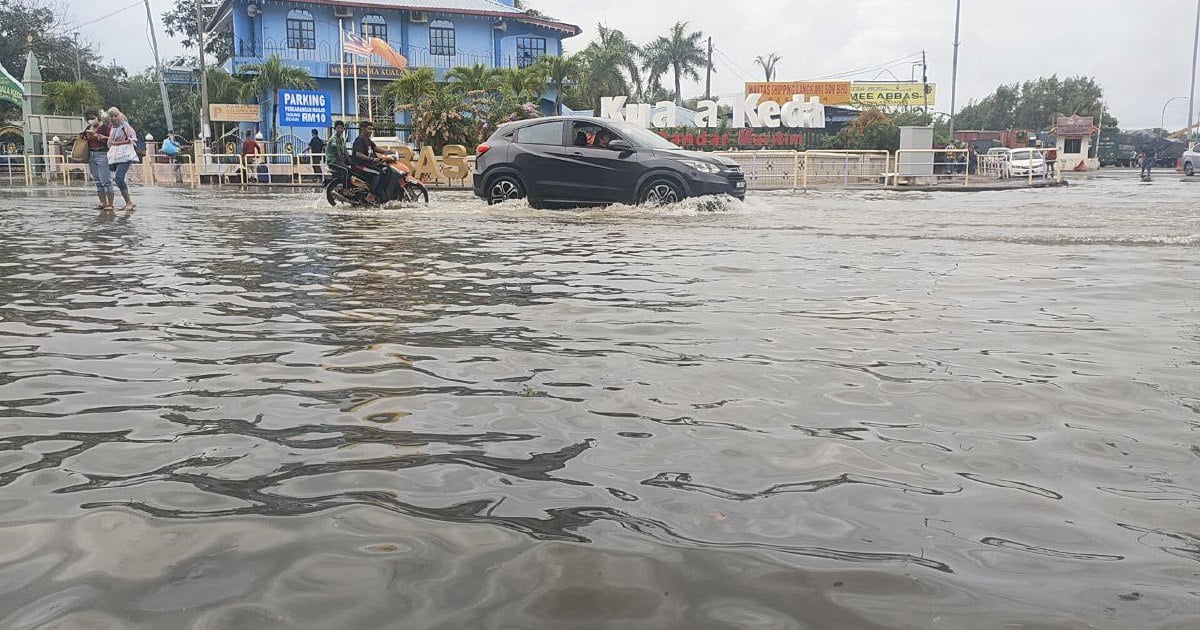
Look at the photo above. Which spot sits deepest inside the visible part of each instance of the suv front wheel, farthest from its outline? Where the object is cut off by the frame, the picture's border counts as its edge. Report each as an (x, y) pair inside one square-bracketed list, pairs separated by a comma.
[(660, 192)]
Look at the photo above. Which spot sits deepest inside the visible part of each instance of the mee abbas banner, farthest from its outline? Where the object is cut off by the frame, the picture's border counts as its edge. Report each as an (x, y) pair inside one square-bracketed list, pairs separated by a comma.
[(892, 94)]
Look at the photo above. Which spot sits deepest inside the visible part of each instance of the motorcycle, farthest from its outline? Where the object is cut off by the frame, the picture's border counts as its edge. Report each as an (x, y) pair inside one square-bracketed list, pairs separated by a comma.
[(349, 186)]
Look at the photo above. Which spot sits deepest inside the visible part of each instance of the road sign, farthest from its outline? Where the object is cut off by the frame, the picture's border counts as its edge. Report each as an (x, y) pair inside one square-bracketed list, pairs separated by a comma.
[(304, 108)]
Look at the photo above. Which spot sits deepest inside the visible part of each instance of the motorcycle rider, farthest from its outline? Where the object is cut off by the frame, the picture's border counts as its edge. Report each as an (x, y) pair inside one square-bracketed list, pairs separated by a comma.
[(366, 159), (335, 152)]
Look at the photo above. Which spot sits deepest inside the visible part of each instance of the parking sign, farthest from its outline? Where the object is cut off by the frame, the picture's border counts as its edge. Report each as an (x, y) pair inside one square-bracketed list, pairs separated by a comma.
[(304, 108)]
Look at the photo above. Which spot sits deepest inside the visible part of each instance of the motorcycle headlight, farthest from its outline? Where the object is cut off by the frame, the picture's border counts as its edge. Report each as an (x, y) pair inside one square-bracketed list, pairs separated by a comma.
[(704, 167)]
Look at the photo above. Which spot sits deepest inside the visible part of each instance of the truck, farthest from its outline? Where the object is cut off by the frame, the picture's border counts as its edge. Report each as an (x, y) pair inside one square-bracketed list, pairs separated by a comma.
[(1118, 149)]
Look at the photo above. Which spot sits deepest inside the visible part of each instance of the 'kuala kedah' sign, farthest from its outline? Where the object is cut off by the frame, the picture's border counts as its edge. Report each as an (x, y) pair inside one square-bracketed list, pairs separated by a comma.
[(797, 113)]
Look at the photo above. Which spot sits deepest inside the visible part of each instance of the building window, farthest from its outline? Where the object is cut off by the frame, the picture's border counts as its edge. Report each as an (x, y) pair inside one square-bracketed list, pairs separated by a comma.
[(529, 49), (374, 26), (301, 30), (1073, 146), (441, 38)]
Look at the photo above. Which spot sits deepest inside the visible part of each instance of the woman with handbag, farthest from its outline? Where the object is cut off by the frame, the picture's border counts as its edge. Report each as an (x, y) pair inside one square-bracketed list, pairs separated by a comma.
[(96, 137), (122, 153)]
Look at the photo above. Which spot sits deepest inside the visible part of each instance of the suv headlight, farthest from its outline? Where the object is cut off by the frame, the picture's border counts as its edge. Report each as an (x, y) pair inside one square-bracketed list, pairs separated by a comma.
[(703, 167)]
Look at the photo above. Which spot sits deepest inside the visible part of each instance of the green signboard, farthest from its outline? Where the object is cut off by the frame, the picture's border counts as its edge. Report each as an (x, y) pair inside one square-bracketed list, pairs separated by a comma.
[(11, 89)]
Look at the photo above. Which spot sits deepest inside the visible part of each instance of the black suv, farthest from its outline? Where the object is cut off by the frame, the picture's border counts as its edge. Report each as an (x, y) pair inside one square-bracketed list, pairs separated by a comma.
[(577, 161)]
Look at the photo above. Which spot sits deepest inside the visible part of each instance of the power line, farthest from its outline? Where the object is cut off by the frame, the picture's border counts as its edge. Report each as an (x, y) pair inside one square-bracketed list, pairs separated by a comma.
[(62, 30)]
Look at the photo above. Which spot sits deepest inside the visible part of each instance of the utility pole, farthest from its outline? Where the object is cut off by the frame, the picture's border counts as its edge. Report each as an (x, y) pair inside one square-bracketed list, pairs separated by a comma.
[(954, 72), (1191, 131), (78, 63), (203, 74), (162, 82), (708, 75), (925, 82)]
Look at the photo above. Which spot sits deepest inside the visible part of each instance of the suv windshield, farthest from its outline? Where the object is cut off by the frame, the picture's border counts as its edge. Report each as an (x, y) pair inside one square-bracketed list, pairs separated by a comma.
[(640, 137)]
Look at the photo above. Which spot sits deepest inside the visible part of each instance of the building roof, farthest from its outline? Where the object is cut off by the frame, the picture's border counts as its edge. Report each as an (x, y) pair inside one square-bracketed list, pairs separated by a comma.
[(487, 8)]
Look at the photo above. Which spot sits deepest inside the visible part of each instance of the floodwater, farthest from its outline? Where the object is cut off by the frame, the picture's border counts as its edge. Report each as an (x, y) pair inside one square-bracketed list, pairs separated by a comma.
[(838, 410)]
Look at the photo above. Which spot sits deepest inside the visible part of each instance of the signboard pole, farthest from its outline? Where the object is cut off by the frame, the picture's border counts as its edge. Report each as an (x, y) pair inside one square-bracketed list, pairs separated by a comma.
[(954, 71)]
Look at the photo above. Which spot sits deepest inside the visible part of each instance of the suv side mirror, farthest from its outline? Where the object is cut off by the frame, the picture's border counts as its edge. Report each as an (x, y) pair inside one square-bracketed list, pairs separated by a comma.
[(621, 145)]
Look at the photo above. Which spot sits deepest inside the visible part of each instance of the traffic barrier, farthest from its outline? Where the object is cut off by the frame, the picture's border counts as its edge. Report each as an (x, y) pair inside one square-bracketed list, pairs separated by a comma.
[(220, 169), (947, 168), (178, 169), (768, 170), (845, 166), (45, 165), (272, 166)]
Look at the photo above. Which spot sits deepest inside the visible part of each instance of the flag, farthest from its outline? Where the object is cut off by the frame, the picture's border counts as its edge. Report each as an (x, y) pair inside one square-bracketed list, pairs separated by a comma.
[(382, 50), (356, 45), (11, 90)]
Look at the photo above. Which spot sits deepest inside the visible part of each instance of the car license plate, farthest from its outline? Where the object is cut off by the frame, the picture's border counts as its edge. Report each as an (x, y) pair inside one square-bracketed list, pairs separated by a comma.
[(740, 185)]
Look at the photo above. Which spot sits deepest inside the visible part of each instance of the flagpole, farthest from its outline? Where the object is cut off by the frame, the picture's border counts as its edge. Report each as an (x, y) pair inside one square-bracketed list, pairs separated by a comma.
[(370, 96), (342, 64), (354, 62)]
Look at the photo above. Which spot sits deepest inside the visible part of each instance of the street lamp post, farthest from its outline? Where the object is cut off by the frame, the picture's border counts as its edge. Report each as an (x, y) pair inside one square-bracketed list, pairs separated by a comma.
[(954, 71), (1163, 125), (1192, 92)]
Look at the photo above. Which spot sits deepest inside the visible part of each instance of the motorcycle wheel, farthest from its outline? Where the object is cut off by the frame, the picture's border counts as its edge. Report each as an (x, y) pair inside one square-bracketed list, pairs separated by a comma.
[(415, 192), (329, 194)]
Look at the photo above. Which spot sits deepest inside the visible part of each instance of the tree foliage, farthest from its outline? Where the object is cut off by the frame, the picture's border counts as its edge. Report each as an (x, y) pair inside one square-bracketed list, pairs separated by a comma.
[(680, 53), (180, 22), (608, 66), (269, 77), (768, 65), (1034, 104), (56, 52), (71, 98), (560, 71)]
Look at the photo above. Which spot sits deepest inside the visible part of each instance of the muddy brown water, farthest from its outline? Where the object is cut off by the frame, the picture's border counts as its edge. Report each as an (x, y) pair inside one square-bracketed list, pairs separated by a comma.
[(829, 411)]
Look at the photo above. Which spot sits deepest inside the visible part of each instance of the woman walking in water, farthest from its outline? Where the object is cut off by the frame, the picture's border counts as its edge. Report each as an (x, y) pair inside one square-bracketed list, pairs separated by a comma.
[(122, 153), (96, 136)]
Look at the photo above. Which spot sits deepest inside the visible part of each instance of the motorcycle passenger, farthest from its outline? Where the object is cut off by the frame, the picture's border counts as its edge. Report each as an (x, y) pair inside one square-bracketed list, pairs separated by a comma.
[(335, 152), (366, 160)]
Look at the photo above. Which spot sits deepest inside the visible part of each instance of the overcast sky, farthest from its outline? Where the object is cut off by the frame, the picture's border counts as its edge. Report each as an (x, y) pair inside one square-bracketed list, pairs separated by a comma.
[(1002, 41)]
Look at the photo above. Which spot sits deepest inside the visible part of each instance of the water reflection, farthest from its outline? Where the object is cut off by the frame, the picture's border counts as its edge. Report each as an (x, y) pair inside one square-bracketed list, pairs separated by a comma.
[(225, 411)]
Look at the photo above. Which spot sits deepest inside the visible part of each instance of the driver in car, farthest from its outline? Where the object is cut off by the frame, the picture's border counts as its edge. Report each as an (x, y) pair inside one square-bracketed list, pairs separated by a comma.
[(602, 138)]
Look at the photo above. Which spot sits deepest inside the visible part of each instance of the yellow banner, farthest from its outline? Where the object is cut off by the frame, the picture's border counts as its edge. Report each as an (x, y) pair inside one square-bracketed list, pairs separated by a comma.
[(218, 112), (892, 94), (830, 92)]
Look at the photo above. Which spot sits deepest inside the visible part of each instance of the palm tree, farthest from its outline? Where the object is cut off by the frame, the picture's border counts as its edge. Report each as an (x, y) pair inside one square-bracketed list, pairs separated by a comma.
[(474, 78), (271, 76), (768, 65), (559, 71), (525, 83), (70, 98), (614, 47), (680, 52), (222, 87), (410, 87)]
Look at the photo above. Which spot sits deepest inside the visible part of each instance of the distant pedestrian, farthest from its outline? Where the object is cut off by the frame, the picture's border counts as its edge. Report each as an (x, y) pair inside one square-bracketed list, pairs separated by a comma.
[(1149, 159), (96, 135), (122, 153), (316, 149), (250, 149)]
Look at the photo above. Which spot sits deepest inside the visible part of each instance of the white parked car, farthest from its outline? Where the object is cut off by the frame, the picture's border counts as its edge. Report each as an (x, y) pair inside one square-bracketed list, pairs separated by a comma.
[(1022, 161), (1191, 160)]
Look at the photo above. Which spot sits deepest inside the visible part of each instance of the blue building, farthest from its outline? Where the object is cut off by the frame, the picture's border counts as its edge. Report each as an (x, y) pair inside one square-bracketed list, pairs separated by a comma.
[(438, 34)]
